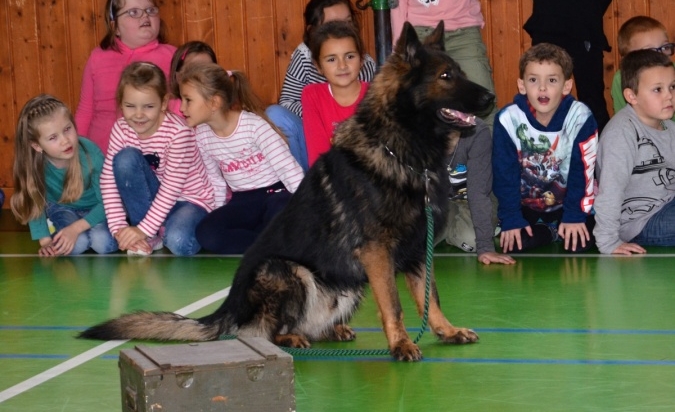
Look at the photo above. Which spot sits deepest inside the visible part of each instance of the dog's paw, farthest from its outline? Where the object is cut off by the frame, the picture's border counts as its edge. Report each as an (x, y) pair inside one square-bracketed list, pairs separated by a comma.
[(344, 333), (406, 350), (292, 341), (460, 336)]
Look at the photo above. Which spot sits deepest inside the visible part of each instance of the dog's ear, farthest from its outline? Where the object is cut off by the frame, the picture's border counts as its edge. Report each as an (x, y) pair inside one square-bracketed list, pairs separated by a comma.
[(435, 39), (408, 44)]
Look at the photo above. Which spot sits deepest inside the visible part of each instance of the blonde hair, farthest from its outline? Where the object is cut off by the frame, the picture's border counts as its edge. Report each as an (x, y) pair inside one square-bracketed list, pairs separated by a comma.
[(636, 25), (141, 75), (29, 201), (232, 87)]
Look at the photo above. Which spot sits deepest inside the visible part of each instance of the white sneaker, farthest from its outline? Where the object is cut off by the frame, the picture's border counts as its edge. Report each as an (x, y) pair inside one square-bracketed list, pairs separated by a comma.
[(155, 243)]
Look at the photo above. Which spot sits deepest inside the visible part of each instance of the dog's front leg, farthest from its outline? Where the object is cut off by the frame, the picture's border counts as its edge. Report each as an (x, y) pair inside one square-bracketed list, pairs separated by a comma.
[(437, 321), (379, 267)]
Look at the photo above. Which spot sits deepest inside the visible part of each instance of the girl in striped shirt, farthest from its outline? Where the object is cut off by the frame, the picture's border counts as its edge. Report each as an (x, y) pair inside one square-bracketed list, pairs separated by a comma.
[(153, 174), (242, 152)]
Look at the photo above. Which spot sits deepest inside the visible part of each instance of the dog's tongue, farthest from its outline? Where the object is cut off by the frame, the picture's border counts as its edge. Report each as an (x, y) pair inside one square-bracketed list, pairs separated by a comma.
[(455, 116)]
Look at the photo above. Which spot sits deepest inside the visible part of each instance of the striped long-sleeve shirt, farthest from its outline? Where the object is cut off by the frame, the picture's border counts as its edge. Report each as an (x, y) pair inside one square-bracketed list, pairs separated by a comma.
[(301, 72), (253, 156), (181, 173)]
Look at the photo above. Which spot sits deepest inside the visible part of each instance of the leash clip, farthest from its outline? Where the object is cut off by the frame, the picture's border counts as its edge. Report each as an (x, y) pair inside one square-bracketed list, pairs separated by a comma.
[(426, 186)]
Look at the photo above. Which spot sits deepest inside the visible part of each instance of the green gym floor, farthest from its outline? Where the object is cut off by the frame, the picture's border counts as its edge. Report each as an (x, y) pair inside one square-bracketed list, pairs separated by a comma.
[(558, 333)]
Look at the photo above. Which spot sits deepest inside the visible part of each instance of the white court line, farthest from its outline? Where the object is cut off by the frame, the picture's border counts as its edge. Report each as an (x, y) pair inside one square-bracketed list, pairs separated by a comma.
[(96, 352)]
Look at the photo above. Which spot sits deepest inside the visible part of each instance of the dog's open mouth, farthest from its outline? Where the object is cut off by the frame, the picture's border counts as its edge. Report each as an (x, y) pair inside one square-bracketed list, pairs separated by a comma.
[(457, 118)]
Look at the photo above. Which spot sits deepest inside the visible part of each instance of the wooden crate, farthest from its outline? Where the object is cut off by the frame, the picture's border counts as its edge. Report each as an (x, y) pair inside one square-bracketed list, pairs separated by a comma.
[(246, 374)]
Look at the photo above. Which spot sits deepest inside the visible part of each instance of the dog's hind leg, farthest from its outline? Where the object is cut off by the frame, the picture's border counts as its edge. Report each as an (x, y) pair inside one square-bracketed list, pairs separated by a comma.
[(379, 267), (291, 340), (437, 321), (340, 332)]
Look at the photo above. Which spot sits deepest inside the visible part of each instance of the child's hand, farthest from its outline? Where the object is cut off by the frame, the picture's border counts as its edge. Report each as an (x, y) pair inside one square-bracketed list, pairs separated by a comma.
[(141, 245), (65, 239), (46, 248), (510, 238), (494, 257), (129, 236), (628, 249), (570, 232)]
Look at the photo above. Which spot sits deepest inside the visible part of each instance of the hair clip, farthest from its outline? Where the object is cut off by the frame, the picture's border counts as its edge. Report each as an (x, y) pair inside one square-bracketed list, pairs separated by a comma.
[(112, 16), (229, 73)]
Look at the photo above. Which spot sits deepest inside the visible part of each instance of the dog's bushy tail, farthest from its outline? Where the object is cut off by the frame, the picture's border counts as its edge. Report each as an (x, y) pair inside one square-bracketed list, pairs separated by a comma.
[(160, 326)]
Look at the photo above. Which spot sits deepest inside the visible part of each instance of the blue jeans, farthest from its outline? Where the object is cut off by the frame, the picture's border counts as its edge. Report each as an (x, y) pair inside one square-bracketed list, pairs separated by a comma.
[(138, 185), (660, 228), (291, 125), (97, 238), (232, 228)]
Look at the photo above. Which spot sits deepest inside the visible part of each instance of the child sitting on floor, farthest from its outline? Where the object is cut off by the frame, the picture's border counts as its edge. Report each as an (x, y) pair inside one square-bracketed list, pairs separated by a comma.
[(153, 174), (636, 160), (543, 157), (56, 177)]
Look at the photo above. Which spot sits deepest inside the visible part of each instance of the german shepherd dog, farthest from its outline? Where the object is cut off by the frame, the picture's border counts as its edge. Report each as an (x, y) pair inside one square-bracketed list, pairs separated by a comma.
[(358, 217)]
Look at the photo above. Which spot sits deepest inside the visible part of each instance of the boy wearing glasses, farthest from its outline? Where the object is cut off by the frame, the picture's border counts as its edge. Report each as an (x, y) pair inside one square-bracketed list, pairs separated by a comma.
[(639, 32), (635, 162)]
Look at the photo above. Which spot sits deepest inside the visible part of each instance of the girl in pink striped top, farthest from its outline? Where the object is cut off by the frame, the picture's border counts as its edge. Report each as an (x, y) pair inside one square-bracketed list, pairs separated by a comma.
[(153, 174), (242, 152)]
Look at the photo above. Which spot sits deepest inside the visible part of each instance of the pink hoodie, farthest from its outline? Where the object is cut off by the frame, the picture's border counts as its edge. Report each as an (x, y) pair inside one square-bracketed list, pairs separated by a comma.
[(97, 112)]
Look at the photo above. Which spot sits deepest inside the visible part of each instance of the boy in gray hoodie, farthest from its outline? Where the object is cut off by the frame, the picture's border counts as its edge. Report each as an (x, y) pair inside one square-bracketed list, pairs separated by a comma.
[(636, 160)]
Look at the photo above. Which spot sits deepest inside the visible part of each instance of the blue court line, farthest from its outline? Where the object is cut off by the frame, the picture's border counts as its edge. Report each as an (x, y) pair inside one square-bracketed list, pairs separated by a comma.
[(492, 361), (410, 330)]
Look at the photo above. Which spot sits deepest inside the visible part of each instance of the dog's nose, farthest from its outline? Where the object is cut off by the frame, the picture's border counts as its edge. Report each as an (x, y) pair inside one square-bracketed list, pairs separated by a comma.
[(488, 98), (486, 102)]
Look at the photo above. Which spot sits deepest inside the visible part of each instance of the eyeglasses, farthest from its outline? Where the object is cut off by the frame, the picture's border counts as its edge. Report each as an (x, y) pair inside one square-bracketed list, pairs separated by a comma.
[(668, 49), (137, 13)]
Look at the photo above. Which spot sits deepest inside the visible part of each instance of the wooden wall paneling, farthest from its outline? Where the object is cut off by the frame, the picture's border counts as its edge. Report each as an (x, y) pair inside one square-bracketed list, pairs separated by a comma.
[(23, 38), (81, 21), (625, 9), (367, 20), (506, 46), (664, 14), (199, 22), (54, 51), (8, 110), (289, 24), (173, 19), (230, 30), (260, 42)]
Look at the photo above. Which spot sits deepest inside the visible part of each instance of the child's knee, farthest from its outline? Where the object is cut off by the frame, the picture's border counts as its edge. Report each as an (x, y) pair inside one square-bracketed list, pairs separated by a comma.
[(127, 159), (102, 242), (181, 242), (81, 244)]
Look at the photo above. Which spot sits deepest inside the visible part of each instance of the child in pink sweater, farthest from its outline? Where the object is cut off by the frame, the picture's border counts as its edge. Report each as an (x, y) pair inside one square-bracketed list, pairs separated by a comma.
[(133, 35), (337, 51)]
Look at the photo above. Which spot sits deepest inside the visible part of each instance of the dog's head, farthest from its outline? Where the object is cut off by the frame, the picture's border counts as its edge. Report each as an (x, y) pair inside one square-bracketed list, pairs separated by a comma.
[(432, 84)]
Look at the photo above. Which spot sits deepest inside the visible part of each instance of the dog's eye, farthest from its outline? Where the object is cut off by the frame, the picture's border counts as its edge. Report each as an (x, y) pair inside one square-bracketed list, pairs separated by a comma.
[(445, 76)]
